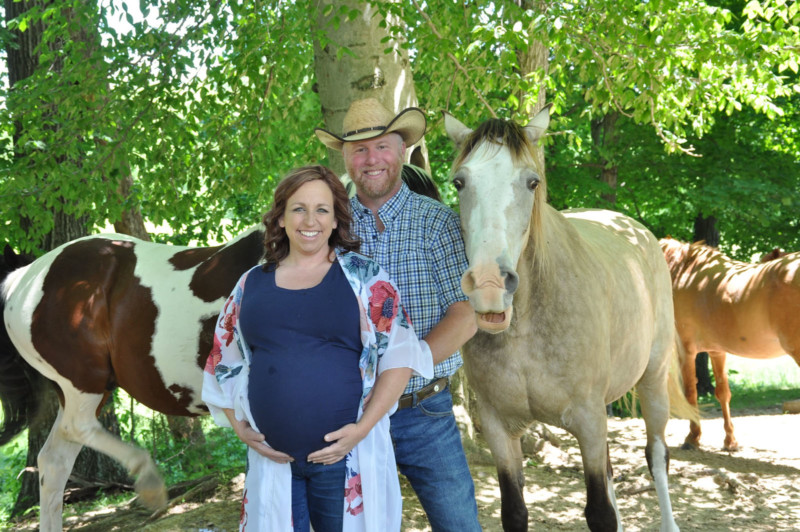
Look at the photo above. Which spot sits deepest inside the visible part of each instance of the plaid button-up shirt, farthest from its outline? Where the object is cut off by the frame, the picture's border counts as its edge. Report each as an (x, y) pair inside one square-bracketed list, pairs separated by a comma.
[(422, 249)]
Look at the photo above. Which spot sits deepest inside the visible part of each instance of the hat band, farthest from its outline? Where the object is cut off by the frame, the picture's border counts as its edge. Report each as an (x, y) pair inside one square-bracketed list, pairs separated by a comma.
[(364, 130)]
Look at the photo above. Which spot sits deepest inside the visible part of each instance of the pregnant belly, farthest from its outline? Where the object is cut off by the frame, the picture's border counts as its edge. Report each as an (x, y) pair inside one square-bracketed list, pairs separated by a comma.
[(294, 406)]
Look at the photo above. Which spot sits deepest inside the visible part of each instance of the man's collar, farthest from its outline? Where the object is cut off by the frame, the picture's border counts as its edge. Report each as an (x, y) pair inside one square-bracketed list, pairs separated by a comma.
[(389, 210)]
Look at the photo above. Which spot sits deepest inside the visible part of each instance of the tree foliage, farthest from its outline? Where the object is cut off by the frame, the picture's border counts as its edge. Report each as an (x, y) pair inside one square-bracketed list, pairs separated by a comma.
[(209, 103)]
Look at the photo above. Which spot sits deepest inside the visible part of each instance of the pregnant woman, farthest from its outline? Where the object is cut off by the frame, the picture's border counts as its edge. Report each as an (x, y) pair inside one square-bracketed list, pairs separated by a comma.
[(311, 352)]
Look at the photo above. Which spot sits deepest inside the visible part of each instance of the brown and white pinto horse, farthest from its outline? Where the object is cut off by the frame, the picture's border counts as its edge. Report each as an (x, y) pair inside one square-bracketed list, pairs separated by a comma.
[(726, 306), (592, 317), (105, 311)]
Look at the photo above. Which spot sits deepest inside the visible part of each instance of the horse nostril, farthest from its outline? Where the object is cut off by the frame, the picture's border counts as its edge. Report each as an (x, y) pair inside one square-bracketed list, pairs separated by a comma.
[(468, 282), (512, 281)]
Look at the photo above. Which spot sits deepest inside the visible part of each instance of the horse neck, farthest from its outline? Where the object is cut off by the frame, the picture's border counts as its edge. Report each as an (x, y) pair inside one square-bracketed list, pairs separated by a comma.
[(551, 249), (247, 248), (216, 274)]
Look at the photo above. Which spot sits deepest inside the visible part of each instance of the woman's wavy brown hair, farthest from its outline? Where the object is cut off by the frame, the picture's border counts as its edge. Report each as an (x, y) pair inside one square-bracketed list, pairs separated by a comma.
[(276, 242)]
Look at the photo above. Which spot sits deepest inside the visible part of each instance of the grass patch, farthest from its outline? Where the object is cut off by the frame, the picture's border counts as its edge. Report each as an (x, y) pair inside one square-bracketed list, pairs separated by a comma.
[(753, 398), (759, 383), (12, 462), (223, 455)]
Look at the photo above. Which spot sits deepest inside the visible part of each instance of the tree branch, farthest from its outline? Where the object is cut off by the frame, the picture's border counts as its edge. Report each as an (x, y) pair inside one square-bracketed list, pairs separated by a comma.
[(453, 58)]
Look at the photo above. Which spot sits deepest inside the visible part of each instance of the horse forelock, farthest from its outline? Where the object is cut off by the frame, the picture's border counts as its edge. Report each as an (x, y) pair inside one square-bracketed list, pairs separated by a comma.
[(503, 133), (500, 133)]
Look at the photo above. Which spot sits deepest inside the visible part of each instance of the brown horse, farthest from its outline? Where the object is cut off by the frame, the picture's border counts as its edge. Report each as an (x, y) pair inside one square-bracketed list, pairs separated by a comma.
[(581, 307), (107, 311), (726, 306)]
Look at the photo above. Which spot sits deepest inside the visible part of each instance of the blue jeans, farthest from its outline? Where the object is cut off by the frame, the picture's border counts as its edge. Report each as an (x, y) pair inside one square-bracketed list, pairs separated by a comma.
[(318, 496), (429, 453)]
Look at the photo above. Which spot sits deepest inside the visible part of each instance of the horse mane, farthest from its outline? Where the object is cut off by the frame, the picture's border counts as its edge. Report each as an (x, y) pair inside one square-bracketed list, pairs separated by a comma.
[(775, 254), (419, 181), (499, 133)]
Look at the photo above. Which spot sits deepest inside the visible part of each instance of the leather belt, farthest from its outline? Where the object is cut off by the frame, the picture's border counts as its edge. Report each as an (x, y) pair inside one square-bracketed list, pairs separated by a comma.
[(407, 400)]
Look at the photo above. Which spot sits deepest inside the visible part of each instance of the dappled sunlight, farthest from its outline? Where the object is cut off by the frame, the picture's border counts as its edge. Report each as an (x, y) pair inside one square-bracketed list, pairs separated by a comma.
[(753, 489), (603, 220)]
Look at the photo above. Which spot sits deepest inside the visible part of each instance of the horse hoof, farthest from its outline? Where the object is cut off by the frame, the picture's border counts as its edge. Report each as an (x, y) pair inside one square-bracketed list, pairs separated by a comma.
[(153, 497), (687, 446), (731, 448)]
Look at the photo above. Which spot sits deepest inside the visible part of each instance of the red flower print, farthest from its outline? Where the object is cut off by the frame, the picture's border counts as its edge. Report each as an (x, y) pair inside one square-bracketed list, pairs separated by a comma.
[(352, 494), (383, 305), (406, 316), (230, 321), (243, 516), (214, 356)]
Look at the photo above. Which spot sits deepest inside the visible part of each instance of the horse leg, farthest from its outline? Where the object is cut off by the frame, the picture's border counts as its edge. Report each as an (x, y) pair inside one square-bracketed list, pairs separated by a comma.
[(722, 390), (507, 453), (612, 496), (81, 426), (589, 425), (654, 400), (55, 461), (689, 374)]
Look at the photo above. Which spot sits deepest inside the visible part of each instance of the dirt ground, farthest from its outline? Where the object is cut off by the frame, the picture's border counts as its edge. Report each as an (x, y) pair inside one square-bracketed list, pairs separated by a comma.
[(754, 489)]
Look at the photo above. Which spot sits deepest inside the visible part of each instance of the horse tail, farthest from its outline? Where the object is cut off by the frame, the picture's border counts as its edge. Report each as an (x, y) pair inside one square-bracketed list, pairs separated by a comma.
[(18, 397), (678, 405)]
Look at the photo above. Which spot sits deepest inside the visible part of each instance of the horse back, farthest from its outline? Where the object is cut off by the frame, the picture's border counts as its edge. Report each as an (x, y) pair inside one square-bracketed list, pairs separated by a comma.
[(111, 310), (737, 307), (623, 251), (628, 267), (61, 311)]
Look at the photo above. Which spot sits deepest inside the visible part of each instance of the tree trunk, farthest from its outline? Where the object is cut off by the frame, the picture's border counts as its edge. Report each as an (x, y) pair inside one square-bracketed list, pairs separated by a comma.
[(604, 138), (130, 221), (22, 52), (366, 72), (705, 230)]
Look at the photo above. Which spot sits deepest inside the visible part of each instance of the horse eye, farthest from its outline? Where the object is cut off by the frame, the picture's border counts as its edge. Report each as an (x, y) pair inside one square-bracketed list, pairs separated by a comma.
[(458, 182), (533, 182)]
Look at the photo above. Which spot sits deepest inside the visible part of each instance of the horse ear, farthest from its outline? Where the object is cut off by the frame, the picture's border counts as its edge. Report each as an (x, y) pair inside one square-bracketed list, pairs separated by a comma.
[(457, 131), (538, 124), (10, 258)]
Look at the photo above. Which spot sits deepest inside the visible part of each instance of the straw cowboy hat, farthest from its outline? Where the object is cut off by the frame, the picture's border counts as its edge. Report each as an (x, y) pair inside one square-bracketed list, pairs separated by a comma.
[(367, 119)]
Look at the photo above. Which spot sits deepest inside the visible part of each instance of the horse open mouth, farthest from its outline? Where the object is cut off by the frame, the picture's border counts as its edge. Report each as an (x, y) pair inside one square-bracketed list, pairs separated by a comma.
[(494, 322)]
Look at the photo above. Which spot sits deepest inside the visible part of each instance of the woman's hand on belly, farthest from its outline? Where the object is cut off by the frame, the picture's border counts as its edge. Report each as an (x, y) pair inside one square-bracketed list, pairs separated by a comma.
[(255, 440), (343, 440), (387, 390)]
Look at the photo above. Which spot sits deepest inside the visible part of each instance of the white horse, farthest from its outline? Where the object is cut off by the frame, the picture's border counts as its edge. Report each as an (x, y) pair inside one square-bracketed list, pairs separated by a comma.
[(583, 304)]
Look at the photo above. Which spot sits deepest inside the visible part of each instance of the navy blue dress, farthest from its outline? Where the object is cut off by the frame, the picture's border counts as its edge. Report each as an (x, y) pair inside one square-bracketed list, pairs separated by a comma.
[(304, 376)]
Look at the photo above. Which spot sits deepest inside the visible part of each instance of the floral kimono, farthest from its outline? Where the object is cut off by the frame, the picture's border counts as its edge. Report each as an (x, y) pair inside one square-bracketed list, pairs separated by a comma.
[(372, 499)]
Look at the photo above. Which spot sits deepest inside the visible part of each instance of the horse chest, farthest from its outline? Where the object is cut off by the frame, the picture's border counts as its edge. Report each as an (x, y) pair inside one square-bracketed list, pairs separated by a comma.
[(515, 377)]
